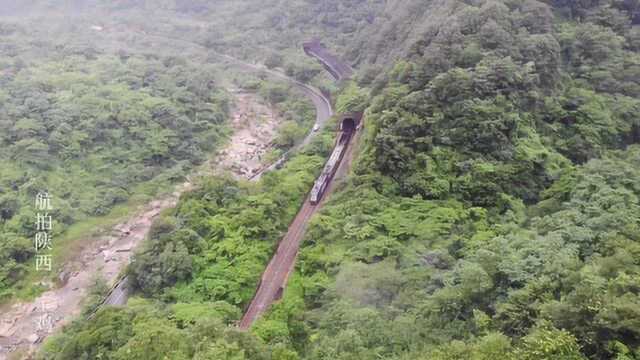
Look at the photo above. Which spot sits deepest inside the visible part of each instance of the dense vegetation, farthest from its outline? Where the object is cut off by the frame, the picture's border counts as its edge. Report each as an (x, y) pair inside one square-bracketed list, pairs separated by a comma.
[(493, 211), (99, 119), (205, 258), (89, 127)]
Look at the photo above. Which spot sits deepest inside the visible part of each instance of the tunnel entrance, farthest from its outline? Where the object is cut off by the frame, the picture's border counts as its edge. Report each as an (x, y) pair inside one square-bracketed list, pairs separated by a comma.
[(350, 122), (348, 125)]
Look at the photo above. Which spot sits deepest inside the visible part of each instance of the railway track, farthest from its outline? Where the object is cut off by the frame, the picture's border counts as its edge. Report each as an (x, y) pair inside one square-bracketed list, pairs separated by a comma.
[(118, 294), (276, 274), (274, 278)]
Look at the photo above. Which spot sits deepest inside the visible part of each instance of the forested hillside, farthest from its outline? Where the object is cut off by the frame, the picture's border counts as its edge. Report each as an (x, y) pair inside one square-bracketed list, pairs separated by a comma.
[(89, 127), (493, 211)]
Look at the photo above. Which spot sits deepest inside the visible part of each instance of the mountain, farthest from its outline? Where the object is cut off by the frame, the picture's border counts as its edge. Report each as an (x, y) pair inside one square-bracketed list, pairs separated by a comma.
[(492, 212)]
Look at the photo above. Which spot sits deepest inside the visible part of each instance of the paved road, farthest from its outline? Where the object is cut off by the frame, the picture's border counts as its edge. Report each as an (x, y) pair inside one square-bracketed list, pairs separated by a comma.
[(24, 324), (321, 103), (324, 110)]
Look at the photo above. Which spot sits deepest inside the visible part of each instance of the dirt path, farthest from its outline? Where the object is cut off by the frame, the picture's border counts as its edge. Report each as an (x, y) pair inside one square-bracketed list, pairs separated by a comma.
[(24, 325)]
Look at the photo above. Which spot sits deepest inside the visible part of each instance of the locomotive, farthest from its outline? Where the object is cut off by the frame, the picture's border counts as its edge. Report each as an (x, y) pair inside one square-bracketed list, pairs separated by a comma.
[(347, 128)]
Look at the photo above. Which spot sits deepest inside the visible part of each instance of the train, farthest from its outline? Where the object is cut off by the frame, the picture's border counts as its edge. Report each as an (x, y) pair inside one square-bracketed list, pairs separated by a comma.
[(322, 182)]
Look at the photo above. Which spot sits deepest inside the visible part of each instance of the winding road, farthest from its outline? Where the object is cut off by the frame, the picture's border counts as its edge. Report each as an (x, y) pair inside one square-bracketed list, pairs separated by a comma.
[(324, 110)]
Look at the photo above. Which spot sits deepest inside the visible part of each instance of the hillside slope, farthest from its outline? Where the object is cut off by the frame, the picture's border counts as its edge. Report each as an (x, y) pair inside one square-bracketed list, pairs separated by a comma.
[(493, 212)]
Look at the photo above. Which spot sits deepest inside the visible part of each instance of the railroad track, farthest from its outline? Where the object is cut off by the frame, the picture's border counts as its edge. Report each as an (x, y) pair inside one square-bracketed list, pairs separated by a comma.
[(118, 294), (274, 278)]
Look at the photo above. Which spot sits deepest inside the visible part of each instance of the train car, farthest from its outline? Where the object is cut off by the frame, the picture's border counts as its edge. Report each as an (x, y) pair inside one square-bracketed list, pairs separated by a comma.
[(348, 125), (321, 184)]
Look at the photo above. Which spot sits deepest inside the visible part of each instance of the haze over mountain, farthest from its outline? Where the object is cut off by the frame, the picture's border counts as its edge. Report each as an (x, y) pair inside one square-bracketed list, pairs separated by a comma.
[(492, 210)]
